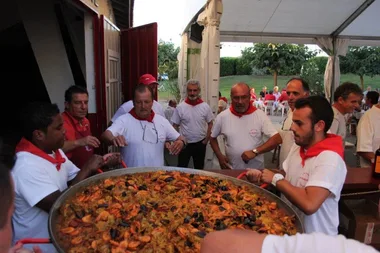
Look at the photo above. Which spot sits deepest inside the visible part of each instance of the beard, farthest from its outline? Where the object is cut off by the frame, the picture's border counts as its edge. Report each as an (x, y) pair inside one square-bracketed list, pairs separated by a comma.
[(193, 97), (305, 140)]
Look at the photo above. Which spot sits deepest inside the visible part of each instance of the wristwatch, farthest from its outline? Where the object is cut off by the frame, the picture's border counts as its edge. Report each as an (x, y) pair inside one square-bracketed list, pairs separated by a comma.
[(255, 151), (277, 177)]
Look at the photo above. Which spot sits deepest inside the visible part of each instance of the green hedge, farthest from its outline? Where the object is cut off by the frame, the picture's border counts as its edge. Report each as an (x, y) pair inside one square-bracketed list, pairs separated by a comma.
[(228, 66)]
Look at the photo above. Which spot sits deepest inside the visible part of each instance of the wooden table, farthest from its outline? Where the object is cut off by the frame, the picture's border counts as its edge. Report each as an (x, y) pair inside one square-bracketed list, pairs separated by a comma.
[(357, 179)]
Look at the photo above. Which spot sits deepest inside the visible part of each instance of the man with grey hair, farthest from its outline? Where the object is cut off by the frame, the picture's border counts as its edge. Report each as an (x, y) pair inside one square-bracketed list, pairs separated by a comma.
[(194, 119)]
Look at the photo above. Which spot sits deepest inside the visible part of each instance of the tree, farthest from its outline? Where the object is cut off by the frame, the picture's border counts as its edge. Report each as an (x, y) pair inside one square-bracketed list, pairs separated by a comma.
[(278, 58), (167, 59), (321, 62), (361, 61), (311, 74)]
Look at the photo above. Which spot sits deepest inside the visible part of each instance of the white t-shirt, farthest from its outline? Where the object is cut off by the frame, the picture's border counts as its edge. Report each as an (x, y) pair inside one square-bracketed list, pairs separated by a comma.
[(368, 133), (192, 120), (169, 113), (338, 125), (327, 170), (145, 147), (313, 243), (34, 179), (127, 107), (242, 134), (287, 137)]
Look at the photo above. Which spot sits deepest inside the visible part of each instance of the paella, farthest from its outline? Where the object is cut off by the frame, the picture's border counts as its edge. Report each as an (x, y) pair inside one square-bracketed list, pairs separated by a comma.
[(162, 211)]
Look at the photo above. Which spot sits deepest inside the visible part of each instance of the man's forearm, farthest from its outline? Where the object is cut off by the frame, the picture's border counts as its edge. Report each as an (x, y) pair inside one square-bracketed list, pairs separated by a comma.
[(215, 146), (84, 173), (107, 137), (367, 155), (70, 145), (270, 144)]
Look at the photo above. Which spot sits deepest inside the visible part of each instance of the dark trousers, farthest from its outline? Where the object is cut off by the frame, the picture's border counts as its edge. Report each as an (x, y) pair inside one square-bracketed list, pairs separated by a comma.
[(196, 150)]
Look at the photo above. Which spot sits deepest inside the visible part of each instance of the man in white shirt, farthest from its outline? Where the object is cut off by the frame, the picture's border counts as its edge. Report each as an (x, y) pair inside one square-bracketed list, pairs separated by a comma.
[(245, 241), (42, 171), (314, 171), (368, 136), (296, 88), (149, 80), (142, 134), (346, 99), (170, 110), (243, 127), (193, 118)]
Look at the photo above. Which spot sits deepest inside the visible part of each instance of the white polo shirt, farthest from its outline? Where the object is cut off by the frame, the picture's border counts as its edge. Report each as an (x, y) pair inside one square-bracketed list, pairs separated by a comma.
[(313, 243), (127, 107), (146, 140), (242, 134), (368, 133), (34, 179), (192, 120), (338, 125), (327, 170)]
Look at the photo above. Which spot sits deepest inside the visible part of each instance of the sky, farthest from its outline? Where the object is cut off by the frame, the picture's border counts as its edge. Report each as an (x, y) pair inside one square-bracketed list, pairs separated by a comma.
[(172, 16)]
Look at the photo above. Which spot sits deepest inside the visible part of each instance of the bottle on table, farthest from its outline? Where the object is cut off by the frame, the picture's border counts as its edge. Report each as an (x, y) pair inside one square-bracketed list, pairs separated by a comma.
[(376, 164)]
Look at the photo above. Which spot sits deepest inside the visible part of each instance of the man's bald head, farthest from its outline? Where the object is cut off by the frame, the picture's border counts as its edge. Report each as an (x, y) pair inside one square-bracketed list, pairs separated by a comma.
[(240, 97)]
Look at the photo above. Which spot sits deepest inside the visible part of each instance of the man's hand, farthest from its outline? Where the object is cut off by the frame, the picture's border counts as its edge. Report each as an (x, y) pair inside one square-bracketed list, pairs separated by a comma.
[(94, 163), (175, 147), (112, 159), (224, 162), (267, 176), (248, 155), (254, 175), (89, 141), (119, 141), (205, 141), (18, 248)]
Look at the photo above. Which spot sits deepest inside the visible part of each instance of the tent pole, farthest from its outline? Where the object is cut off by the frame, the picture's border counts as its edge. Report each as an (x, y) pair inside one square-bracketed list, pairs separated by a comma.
[(332, 87)]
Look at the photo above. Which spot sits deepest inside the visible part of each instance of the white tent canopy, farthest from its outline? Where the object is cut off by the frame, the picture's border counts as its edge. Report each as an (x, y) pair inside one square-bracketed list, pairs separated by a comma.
[(354, 22)]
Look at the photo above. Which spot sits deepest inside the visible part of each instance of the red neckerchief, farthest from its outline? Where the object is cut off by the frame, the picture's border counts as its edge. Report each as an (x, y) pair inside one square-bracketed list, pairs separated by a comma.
[(149, 119), (80, 127), (193, 102), (25, 145), (251, 109), (332, 142), (224, 99)]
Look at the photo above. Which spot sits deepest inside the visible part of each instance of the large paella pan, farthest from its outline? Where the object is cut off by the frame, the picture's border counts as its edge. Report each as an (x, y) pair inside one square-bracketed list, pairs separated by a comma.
[(123, 211)]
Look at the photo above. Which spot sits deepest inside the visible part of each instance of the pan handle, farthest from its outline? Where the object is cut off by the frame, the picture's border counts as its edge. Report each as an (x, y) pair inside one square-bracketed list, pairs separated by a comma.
[(244, 174), (34, 241)]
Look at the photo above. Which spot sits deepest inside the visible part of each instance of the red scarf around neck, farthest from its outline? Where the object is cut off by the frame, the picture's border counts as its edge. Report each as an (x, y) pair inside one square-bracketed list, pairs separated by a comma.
[(193, 102), (332, 142), (149, 119), (27, 146), (251, 109)]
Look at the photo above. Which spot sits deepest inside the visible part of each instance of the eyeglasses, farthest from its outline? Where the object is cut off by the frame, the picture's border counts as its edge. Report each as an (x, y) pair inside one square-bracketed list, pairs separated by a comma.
[(149, 136)]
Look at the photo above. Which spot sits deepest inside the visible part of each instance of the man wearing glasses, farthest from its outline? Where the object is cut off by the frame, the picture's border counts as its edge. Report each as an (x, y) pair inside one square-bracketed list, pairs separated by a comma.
[(243, 127), (142, 134)]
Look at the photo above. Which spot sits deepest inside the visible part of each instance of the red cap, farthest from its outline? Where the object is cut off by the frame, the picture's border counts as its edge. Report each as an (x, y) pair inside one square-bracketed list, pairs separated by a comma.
[(147, 79)]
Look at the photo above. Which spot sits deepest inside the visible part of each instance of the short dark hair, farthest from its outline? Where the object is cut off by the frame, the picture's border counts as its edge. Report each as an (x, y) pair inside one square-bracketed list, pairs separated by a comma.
[(6, 194), (75, 89), (320, 110), (141, 88), (37, 116), (345, 89), (171, 102), (220, 94), (373, 97), (305, 85), (271, 92)]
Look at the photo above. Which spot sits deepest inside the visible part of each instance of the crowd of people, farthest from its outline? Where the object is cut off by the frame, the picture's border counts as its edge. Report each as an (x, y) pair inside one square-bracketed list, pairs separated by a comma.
[(58, 150)]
